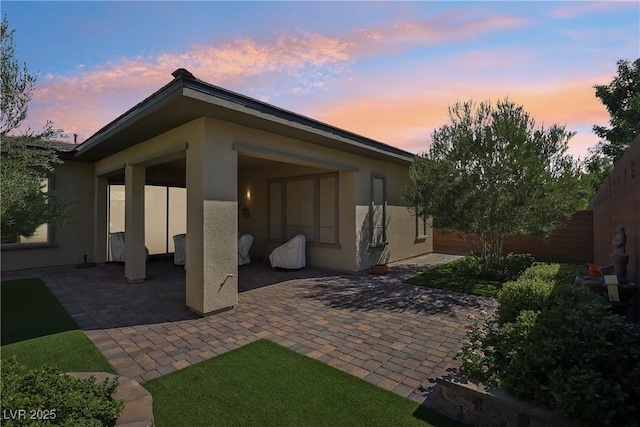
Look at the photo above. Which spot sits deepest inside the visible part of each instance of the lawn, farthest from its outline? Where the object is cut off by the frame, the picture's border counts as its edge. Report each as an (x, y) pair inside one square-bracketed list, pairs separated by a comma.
[(265, 384), (38, 330), (444, 277)]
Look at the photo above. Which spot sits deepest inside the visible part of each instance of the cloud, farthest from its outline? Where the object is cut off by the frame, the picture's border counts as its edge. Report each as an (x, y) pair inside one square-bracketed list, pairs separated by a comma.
[(400, 106), (442, 29), (406, 116), (576, 9), (88, 99)]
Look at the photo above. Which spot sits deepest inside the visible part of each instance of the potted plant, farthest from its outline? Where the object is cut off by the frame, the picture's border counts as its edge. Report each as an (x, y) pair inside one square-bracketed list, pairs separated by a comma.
[(380, 269)]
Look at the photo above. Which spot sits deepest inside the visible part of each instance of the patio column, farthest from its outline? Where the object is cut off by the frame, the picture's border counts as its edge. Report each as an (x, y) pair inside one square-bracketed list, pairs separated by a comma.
[(135, 256), (212, 217), (100, 226)]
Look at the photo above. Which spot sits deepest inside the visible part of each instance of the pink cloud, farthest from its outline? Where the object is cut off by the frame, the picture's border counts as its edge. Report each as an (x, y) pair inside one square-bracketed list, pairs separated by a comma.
[(405, 117), (398, 109), (577, 8), (86, 100), (441, 29)]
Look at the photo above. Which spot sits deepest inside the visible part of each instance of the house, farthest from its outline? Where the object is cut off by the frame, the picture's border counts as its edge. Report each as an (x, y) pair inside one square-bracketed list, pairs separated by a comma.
[(248, 167)]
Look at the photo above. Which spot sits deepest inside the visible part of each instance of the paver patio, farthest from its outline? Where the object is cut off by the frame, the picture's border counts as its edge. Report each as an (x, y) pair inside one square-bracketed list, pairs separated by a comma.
[(398, 336)]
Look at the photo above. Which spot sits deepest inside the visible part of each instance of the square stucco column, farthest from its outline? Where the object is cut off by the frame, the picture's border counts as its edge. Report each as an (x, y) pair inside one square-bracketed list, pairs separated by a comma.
[(100, 219), (212, 217), (135, 256)]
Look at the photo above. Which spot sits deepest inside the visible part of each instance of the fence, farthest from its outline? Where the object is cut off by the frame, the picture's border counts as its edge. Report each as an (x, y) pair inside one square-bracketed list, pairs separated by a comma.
[(572, 242), (616, 204)]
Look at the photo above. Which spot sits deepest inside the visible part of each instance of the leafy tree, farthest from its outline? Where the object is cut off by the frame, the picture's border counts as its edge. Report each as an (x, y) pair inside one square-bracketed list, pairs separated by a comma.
[(621, 97), (492, 173), (28, 158)]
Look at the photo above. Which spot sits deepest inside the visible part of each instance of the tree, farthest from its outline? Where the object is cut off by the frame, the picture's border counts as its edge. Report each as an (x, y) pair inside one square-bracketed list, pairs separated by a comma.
[(492, 173), (621, 97), (28, 158)]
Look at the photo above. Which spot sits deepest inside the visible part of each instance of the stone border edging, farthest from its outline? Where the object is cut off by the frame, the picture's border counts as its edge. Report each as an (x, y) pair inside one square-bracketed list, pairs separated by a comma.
[(138, 410), (484, 406)]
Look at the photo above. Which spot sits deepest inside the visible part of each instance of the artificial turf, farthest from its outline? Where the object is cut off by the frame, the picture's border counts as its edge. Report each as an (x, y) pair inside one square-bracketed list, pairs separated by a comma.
[(38, 330), (265, 384), (445, 277)]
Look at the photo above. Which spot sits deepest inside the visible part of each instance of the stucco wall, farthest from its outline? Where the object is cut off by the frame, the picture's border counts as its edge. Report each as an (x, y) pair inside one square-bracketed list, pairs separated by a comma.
[(71, 241), (401, 224), (617, 203), (353, 253), (354, 177)]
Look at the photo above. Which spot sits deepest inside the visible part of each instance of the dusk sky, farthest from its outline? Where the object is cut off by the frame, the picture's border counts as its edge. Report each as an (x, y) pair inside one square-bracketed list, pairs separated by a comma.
[(385, 70)]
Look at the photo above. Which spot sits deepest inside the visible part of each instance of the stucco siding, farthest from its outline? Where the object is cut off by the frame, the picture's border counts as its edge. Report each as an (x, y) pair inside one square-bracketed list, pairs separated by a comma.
[(71, 242), (354, 252), (401, 232)]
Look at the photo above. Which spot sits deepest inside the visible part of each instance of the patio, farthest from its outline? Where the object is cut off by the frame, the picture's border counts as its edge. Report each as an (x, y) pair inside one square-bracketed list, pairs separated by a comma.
[(398, 336)]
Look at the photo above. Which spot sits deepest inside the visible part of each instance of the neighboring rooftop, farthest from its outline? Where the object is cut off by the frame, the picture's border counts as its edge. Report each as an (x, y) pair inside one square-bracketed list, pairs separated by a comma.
[(61, 146)]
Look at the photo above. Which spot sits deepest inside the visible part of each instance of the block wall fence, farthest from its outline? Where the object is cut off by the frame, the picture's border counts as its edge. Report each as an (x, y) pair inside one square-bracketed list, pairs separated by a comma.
[(572, 242), (617, 203)]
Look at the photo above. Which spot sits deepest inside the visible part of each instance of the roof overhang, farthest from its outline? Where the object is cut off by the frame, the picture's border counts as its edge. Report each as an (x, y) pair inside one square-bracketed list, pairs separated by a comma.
[(187, 99)]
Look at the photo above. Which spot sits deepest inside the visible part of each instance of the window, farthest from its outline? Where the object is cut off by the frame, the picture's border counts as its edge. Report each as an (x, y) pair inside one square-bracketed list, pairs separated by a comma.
[(44, 232), (378, 211), (304, 205), (164, 215), (422, 225)]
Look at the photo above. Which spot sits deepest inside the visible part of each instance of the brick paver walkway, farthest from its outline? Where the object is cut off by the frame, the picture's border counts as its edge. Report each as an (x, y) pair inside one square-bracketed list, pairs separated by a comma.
[(398, 336)]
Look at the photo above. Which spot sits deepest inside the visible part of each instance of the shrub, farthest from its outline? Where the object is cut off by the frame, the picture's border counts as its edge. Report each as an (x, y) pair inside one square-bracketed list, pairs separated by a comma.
[(576, 358), (494, 268), (560, 346), (522, 294), (61, 399), (556, 273), (477, 356), (533, 288)]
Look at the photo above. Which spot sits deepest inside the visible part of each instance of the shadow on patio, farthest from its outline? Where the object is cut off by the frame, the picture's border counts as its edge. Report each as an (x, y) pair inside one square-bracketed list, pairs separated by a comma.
[(367, 294), (101, 298)]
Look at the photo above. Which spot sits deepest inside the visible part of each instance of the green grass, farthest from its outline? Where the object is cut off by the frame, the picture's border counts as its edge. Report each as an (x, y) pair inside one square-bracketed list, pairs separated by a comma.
[(265, 384), (38, 331), (444, 277)]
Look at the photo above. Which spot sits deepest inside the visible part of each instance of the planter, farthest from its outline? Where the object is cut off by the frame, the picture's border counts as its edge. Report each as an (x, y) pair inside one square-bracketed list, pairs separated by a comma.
[(482, 406), (380, 269), (594, 271)]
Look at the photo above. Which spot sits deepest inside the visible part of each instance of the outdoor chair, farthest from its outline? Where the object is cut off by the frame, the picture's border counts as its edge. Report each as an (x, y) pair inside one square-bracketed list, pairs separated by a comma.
[(291, 254), (117, 246), (244, 244), (180, 252)]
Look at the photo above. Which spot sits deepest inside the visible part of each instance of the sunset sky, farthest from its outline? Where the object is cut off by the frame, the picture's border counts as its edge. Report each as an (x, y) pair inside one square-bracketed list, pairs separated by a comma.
[(385, 70)]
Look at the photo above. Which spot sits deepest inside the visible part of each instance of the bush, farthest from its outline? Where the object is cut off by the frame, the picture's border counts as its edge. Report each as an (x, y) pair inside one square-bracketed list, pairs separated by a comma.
[(576, 358), (560, 346), (522, 294), (533, 288), (555, 273), (477, 356), (52, 398), (494, 268)]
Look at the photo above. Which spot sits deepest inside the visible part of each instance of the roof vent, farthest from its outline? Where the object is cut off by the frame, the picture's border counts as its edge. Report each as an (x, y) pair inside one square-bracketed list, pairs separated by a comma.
[(182, 73)]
